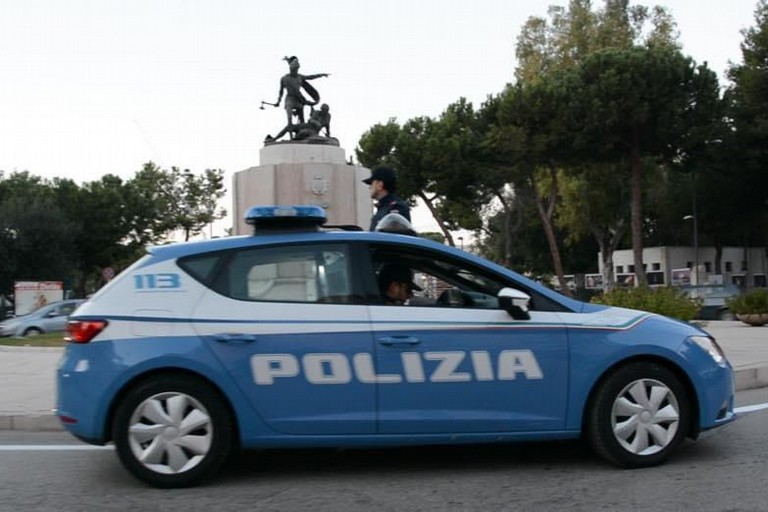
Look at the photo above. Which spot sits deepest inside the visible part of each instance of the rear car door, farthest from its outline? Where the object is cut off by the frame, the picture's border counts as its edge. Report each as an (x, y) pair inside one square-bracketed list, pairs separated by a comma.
[(286, 322)]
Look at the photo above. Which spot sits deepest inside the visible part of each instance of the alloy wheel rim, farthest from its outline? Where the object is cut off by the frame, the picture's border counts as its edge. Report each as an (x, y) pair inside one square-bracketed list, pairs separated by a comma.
[(645, 417), (170, 433)]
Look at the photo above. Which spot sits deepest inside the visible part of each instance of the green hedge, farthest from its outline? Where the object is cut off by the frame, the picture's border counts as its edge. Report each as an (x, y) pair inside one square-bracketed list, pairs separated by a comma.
[(755, 301), (667, 301)]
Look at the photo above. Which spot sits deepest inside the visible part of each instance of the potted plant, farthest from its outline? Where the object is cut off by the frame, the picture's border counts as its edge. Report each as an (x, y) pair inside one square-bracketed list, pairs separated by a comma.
[(751, 307)]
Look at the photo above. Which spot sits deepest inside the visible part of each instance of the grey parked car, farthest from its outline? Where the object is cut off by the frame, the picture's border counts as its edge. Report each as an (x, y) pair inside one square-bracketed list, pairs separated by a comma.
[(713, 300), (50, 318)]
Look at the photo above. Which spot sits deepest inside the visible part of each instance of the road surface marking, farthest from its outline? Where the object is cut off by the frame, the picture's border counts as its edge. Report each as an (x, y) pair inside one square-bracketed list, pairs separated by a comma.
[(51, 447), (750, 408)]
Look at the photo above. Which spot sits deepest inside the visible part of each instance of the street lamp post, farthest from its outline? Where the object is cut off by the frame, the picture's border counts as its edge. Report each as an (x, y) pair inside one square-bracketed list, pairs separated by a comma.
[(695, 214), (695, 243), (461, 242)]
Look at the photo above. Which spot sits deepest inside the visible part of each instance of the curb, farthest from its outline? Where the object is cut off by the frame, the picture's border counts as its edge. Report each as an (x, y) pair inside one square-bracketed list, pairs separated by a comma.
[(30, 423), (26, 348), (751, 378), (744, 379)]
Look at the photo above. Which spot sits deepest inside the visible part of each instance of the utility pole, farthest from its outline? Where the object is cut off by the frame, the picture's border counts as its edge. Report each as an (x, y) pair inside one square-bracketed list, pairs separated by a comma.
[(695, 218)]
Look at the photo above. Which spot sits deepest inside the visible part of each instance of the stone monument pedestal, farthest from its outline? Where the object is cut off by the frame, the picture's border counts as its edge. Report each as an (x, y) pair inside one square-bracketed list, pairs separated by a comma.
[(293, 173)]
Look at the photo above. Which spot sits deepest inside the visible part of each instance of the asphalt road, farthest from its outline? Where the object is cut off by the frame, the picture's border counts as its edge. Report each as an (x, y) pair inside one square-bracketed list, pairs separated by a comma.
[(727, 471)]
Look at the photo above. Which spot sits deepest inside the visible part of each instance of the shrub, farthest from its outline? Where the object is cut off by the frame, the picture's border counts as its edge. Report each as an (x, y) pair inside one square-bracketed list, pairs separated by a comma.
[(666, 301), (752, 302)]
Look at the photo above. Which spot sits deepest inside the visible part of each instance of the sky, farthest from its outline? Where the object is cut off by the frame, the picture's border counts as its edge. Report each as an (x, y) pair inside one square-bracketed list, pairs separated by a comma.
[(94, 87)]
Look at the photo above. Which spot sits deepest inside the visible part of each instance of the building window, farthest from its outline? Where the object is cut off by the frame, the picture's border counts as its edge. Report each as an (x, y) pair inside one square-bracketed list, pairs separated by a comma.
[(729, 266), (707, 266), (631, 269), (619, 269), (744, 265), (656, 266), (689, 264)]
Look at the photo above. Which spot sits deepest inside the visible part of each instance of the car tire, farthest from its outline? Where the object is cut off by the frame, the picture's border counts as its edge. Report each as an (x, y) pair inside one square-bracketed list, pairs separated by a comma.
[(173, 431), (639, 415), (32, 331)]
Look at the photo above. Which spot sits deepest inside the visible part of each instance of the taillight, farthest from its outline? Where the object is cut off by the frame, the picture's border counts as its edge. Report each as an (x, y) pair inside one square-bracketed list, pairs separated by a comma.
[(83, 331)]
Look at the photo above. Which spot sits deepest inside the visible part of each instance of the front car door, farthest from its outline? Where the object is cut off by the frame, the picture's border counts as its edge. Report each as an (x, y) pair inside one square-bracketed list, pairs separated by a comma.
[(452, 361)]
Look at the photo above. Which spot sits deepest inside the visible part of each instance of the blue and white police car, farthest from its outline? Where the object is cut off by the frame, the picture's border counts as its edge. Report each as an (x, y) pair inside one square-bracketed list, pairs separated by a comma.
[(285, 339)]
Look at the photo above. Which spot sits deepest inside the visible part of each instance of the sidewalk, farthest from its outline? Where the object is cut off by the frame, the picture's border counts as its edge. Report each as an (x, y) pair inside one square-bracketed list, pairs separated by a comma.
[(28, 379)]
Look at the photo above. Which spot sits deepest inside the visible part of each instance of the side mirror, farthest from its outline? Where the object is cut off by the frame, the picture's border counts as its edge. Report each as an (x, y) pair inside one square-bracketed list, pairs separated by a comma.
[(515, 303)]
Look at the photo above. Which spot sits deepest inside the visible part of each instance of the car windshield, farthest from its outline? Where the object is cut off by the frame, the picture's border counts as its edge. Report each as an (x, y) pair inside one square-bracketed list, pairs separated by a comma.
[(712, 289), (712, 292)]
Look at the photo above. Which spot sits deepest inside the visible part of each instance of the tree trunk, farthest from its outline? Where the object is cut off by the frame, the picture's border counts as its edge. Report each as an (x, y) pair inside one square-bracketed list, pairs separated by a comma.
[(546, 213), (508, 230), (608, 239), (637, 212), (446, 232)]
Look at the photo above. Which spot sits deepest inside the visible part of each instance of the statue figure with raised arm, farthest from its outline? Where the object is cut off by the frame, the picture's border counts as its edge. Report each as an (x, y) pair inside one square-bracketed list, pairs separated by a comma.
[(292, 84)]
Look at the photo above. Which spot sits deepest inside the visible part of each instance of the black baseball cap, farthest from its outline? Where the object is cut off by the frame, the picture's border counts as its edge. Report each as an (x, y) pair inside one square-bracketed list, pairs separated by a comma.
[(396, 273), (384, 174)]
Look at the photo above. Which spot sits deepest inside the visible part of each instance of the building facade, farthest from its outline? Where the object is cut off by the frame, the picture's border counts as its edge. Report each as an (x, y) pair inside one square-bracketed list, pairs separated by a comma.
[(744, 267)]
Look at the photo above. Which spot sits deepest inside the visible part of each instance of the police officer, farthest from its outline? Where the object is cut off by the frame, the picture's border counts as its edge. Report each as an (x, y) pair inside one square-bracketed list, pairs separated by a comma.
[(383, 184)]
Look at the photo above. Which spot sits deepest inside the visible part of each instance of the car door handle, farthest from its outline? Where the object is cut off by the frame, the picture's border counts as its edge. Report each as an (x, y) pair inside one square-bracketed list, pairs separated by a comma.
[(398, 340), (234, 337)]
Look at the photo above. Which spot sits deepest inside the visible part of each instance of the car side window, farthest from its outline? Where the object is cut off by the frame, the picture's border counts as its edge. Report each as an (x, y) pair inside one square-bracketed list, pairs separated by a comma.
[(439, 282), (67, 309), (304, 273), (202, 267)]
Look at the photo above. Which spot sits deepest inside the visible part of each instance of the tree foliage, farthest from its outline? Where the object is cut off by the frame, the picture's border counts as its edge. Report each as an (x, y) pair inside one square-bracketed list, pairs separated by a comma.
[(59, 230), (542, 106), (437, 161), (607, 129), (629, 105), (747, 143)]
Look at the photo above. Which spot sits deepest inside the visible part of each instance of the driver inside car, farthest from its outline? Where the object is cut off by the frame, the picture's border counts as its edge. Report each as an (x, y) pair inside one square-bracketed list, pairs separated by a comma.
[(396, 284)]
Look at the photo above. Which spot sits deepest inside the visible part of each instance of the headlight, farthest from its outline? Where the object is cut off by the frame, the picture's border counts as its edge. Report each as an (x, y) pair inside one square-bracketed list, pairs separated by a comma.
[(711, 346)]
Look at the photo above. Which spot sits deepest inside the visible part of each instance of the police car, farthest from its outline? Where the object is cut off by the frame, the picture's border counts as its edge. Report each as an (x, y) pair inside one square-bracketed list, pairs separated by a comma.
[(283, 339)]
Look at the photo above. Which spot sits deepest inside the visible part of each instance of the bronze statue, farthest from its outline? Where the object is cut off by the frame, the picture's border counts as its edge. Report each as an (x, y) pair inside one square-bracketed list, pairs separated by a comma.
[(318, 120), (293, 83), (322, 119), (295, 86)]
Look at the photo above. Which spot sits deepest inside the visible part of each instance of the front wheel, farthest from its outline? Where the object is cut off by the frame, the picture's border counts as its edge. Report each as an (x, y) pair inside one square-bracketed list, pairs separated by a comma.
[(639, 415), (172, 431)]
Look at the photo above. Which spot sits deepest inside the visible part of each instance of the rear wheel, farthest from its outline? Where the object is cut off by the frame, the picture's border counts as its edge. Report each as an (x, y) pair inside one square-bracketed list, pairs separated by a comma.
[(172, 431), (32, 331), (639, 415)]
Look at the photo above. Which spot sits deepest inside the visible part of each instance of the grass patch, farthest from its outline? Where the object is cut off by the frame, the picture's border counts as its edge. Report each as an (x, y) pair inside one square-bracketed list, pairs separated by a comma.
[(51, 339)]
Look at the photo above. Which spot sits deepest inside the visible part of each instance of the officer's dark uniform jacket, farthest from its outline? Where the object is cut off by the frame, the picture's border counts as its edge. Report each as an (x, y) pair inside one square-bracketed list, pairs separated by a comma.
[(391, 203)]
